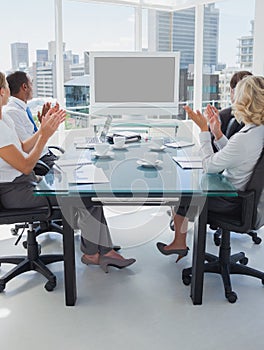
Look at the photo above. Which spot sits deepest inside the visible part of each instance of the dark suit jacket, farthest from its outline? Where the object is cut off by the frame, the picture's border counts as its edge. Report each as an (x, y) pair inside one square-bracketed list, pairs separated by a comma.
[(229, 124)]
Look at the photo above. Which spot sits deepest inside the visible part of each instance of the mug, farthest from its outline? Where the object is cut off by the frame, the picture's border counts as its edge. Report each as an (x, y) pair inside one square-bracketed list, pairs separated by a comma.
[(150, 157), (119, 141), (101, 148), (157, 142)]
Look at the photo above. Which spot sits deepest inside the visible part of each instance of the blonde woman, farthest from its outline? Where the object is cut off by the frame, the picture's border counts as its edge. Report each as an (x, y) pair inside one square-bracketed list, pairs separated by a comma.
[(17, 160), (236, 157)]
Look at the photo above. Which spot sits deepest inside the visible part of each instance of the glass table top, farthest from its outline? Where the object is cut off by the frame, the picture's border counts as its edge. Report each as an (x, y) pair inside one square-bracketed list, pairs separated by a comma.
[(128, 178)]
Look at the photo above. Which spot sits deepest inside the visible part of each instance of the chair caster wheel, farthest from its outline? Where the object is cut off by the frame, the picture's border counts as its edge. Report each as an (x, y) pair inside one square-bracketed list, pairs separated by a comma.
[(244, 261), (186, 279), (2, 287), (231, 297), (217, 237), (257, 240), (49, 286), (14, 231), (172, 225)]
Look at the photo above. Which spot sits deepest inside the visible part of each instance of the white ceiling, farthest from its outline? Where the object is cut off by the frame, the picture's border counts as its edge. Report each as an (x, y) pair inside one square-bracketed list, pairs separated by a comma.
[(168, 5)]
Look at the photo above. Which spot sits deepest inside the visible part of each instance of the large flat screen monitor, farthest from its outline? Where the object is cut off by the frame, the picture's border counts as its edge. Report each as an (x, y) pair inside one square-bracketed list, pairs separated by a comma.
[(134, 82)]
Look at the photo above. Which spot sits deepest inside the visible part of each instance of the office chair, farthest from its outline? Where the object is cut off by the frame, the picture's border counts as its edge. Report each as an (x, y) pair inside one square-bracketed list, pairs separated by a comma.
[(232, 128), (251, 217), (33, 260), (41, 169)]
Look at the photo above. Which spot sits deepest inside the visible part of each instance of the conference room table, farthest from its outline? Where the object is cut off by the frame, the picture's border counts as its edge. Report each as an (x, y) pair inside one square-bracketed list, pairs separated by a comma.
[(130, 183)]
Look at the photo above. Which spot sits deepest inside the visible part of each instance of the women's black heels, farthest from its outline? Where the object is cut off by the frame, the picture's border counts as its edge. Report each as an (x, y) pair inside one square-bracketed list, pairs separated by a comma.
[(181, 252), (106, 261)]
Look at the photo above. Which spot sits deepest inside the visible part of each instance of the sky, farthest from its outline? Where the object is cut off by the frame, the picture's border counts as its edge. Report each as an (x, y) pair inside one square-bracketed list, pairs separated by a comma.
[(94, 27)]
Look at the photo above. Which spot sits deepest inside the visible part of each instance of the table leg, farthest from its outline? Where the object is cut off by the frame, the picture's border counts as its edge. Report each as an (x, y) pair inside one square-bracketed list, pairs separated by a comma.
[(69, 253), (199, 243)]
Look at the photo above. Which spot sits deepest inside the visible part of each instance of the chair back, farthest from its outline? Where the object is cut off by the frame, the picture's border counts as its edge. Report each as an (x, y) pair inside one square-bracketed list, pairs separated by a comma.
[(256, 183)]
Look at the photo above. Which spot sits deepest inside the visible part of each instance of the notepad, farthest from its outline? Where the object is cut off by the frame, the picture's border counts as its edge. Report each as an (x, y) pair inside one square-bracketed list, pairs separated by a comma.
[(189, 162), (73, 162), (179, 144), (86, 174)]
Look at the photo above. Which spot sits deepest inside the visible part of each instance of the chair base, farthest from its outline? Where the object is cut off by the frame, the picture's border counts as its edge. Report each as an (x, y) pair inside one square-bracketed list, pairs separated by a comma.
[(218, 233), (33, 261), (225, 265)]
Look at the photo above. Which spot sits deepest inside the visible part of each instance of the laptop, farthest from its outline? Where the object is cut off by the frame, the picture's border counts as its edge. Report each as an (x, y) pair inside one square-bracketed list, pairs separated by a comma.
[(90, 142)]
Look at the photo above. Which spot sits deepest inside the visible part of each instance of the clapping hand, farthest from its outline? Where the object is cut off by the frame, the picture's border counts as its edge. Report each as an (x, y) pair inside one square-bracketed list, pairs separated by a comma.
[(51, 121), (197, 117), (45, 108), (214, 122)]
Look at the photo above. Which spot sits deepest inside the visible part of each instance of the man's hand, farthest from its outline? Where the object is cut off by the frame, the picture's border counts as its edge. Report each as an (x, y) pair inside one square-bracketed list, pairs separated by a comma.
[(51, 122), (45, 108), (197, 117)]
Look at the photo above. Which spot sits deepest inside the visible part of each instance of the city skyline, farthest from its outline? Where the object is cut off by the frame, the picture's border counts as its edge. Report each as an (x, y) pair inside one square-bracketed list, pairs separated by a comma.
[(96, 19)]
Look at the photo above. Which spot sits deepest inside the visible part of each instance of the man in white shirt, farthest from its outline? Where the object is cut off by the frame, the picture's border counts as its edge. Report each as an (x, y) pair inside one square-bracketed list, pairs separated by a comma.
[(21, 92)]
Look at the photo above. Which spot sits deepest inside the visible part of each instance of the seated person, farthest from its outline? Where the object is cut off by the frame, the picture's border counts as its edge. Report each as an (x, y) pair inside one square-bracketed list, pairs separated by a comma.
[(229, 125), (17, 160), (236, 157), (21, 91)]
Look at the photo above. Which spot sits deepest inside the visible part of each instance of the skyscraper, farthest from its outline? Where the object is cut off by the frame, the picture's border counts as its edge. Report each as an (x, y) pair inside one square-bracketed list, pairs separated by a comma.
[(245, 49), (19, 56), (42, 55), (175, 31)]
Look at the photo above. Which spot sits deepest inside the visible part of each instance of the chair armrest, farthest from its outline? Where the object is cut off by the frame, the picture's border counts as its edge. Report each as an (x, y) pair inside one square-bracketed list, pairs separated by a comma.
[(41, 166), (247, 210), (57, 148), (241, 224)]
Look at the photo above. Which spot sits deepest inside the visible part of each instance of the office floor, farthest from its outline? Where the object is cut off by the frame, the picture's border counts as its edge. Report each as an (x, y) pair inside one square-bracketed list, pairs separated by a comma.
[(142, 307)]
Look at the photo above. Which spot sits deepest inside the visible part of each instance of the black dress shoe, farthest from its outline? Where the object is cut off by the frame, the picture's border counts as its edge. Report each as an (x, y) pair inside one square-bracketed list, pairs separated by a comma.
[(180, 252)]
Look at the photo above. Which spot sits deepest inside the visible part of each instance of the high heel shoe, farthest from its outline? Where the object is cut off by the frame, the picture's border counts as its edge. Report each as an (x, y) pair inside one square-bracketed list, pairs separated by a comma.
[(85, 260), (180, 252), (106, 261)]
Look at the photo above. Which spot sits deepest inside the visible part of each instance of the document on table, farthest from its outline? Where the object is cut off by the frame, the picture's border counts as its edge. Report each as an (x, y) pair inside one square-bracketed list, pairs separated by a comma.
[(179, 144), (189, 162), (85, 174), (73, 162)]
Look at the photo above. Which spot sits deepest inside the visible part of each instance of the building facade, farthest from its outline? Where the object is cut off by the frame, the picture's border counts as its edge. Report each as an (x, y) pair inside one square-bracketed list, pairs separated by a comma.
[(175, 31), (245, 50), (19, 56)]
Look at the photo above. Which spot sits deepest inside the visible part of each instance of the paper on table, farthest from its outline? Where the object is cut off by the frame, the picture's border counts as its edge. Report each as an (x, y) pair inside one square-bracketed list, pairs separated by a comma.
[(85, 145), (189, 162), (179, 144), (190, 165), (187, 158), (73, 162), (86, 174)]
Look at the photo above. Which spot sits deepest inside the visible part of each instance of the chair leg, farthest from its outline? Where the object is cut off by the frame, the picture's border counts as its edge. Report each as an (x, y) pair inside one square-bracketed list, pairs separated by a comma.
[(33, 261), (225, 265)]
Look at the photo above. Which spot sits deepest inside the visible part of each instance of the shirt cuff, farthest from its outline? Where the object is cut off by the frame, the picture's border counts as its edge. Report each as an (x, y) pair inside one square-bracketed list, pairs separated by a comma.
[(205, 136), (220, 143)]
